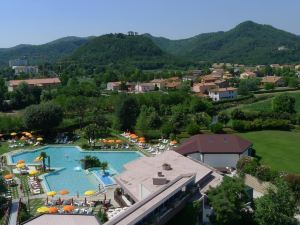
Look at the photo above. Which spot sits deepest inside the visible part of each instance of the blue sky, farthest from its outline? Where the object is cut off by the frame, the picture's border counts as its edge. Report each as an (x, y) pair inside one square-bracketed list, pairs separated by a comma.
[(41, 21)]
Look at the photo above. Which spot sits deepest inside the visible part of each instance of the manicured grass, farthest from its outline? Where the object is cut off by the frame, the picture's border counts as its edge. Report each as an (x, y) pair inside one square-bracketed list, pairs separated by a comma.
[(3, 147), (278, 149)]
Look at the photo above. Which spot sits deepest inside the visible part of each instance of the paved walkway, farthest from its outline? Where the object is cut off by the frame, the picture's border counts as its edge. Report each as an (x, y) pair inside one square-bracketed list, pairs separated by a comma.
[(14, 212)]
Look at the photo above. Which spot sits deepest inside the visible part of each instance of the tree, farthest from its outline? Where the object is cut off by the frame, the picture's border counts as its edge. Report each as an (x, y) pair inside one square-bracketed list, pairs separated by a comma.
[(78, 105), (44, 156), (43, 117), (228, 201), (90, 162), (193, 129), (223, 118), (104, 166), (278, 206), (293, 82), (247, 85), (269, 86), (126, 113), (284, 103), (91, 132), (216, 128), (101, 121)]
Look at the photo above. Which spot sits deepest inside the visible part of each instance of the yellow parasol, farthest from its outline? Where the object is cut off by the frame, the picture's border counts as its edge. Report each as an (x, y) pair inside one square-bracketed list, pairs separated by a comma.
[(21, 165), (89, 193), (42, 209), (51, 193), (13, 134), (38, 159), (39, 139), (33, 172)]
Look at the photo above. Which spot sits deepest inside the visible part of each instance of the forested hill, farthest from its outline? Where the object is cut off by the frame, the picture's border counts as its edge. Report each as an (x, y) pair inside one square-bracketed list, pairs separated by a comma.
[(136, 50), (49, 52), (247, 43)]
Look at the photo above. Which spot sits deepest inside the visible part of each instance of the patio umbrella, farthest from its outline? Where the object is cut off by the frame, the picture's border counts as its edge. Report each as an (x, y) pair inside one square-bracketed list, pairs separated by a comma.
[(21, 161), (111, 141), (51, 193), (38, 159), (64, 192), (53, 210), (68, 208), (42, 209), (23, 138), (33, 172), (21, 165), (118, 141), (13, 134), (174, 142), (8, 176), (39, 139), (89, 193)]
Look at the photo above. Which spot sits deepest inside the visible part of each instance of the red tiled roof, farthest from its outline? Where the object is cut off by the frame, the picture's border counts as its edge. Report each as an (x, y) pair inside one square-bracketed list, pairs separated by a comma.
[(40, 81), (214, 143)]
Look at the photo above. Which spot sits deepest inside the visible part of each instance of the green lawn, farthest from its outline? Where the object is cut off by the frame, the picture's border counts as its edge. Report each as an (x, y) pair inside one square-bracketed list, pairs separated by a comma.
[(278, 149)]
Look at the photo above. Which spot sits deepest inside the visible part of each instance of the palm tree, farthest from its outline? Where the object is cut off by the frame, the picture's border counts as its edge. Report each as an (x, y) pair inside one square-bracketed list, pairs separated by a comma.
[(104, 166), (43, 155)]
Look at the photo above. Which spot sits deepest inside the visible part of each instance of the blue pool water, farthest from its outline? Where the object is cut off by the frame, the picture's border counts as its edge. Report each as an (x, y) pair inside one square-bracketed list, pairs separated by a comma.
[(70, 176), (104, 178)]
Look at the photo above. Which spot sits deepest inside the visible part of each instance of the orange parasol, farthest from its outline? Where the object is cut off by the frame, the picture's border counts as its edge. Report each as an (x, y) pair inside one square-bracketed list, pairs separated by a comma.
[(64, 192), (53, 210), (21, 161), (118, 141), (68, 208), (8, 176)]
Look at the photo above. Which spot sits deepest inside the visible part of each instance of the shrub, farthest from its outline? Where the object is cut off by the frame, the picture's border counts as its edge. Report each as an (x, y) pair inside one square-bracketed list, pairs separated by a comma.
[(247, 165), (193, 129), (294, 183), (216, 128)]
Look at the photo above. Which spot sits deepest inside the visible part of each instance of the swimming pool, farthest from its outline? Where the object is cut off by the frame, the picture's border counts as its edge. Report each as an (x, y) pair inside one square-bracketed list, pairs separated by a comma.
[(105, 179), (68, 174)]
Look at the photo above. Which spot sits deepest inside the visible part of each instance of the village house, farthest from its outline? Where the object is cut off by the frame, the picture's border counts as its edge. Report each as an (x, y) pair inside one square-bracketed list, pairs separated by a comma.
[(190, 78), (209, 79), (216, 150), (41, 82), (144, 87), (247, 75), (203, 88), (221, 83), (275, 80), (159, 83), (222, 93), (113, 86)]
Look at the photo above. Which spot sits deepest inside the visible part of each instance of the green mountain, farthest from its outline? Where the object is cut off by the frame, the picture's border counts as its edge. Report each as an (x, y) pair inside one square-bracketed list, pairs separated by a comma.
[(136, 50), (247, 43), (49, 52)]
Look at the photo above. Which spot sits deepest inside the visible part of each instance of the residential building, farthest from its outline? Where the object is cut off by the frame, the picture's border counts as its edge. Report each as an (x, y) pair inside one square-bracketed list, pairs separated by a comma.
[(275, 66), (221, 83), (41, 82), (203, 88), (65, 219), (275, 80), (172, 85), (209, 78), (25, 69), (222, 93), (190, 78), (216, 150), (144, 87), (159, 83), (247, 75), (18, 62), (113, 86), (160, 186)]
